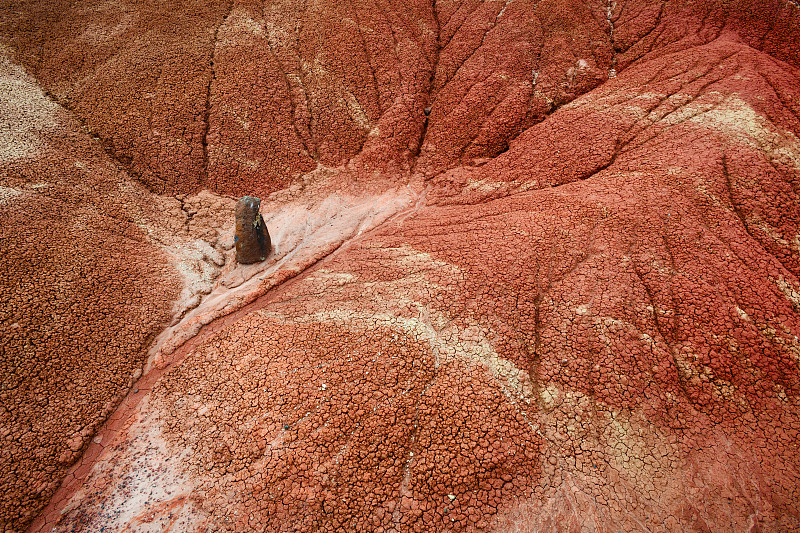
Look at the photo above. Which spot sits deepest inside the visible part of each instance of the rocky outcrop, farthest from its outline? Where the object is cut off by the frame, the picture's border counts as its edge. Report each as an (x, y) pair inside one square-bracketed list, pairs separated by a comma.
[(536, 265)]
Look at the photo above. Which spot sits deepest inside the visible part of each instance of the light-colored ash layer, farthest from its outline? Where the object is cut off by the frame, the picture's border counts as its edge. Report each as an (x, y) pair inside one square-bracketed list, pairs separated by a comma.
[(536, 266)]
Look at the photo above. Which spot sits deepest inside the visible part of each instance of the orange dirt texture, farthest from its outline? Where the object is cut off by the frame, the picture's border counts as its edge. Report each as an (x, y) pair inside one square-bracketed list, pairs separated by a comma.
[(535, 266)]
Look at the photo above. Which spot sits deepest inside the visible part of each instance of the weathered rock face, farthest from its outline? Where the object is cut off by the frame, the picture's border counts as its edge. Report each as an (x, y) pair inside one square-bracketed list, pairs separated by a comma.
[(566, 297), (252, 238)]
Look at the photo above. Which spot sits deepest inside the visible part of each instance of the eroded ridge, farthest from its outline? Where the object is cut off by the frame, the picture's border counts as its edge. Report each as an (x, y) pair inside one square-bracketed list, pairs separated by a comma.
[(172, 100)]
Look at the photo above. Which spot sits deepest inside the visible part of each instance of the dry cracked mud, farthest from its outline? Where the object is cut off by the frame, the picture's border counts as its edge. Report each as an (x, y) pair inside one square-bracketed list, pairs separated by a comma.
[(535, 266)]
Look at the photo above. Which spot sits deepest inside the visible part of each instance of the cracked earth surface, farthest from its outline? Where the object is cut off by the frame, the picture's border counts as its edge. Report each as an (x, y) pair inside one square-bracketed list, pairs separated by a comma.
[(536, 266)]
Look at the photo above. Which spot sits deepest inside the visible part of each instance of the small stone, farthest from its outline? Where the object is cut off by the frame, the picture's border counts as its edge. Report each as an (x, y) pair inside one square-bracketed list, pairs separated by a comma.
[(451, 496), (75, 443)]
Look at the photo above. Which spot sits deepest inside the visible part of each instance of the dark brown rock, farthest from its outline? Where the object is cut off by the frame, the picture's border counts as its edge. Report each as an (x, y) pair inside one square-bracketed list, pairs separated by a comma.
[(252, 238)]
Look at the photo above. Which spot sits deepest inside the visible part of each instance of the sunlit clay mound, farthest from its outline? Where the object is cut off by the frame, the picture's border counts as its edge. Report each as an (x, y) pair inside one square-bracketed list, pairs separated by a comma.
[(400, 266)]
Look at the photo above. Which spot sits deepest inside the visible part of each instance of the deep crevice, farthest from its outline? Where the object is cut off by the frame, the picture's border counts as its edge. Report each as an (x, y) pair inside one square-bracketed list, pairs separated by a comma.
[(122, 162), (491, 27), (736, 209), (614, 154), (644, 36), (660, 330), (207, 110), (431, 81), (312, 153), (610, 7), (370, 62), (455, 32)]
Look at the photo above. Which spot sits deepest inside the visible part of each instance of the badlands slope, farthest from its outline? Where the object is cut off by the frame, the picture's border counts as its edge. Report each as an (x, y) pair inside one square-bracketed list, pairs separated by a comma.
[(536, 266)]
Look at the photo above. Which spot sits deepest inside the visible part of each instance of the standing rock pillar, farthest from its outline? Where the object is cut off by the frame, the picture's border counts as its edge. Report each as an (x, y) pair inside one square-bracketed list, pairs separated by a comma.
[(252, 238)]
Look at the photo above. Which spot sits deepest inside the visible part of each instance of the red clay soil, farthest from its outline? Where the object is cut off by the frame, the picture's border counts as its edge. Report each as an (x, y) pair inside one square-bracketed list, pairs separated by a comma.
[(82, 294), (87, 281), (242, 97), (536, 267)]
